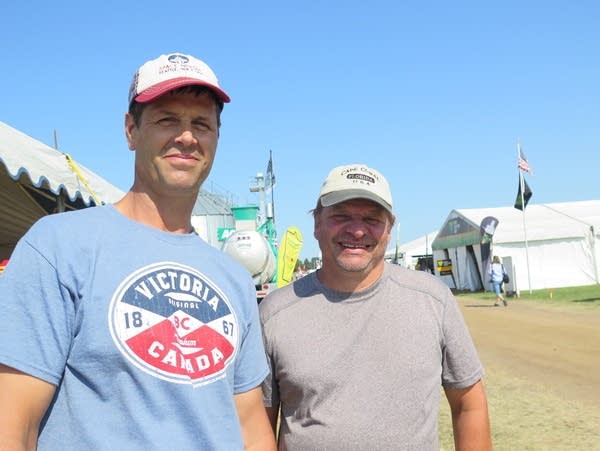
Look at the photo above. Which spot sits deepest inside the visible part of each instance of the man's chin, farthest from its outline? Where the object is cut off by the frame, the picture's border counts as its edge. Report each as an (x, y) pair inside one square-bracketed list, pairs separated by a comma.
[(353, 264)]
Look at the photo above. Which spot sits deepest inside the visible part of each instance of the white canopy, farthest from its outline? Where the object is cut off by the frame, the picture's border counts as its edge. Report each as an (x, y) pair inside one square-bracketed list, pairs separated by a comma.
[(36, 180), (408, 252)]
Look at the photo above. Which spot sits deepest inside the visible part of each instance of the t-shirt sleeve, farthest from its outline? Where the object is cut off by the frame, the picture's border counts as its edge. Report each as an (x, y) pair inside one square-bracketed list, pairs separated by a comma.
[(251, 364), (269, 385), (461, 365), (36, 322)]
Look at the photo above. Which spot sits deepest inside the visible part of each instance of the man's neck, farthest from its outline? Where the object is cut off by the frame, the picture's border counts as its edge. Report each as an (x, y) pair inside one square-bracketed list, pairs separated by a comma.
[(172, 215), (349, 281)]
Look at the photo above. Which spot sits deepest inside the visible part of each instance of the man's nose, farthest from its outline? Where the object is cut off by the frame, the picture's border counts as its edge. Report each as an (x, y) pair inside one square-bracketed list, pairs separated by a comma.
[(356, 227), (186, 137)]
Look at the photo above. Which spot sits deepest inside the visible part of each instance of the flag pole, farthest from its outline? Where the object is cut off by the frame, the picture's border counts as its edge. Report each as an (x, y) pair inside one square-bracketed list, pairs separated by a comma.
[(397, 253), (522, 186), (272, 183)]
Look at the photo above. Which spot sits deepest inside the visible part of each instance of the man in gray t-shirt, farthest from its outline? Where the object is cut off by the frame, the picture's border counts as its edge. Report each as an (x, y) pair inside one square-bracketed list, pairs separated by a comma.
[(359, 349)]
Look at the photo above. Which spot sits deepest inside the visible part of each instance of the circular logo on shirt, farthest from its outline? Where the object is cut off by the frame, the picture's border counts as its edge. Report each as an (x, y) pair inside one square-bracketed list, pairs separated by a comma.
[(172, 322)]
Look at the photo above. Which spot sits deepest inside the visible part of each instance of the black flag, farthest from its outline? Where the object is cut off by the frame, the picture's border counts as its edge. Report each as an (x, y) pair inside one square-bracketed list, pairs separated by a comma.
[(527, 193)]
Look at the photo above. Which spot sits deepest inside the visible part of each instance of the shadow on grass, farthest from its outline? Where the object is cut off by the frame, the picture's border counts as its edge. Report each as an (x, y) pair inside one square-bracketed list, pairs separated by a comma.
[(586, 300)]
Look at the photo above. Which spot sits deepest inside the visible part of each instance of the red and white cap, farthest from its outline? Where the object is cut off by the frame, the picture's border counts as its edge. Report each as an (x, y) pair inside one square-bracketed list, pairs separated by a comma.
[(356, 181), (175, 70)]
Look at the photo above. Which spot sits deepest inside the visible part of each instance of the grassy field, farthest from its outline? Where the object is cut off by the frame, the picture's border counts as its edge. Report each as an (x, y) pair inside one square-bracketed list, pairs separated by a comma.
[(577, 297), (526, 412), (529, 418)]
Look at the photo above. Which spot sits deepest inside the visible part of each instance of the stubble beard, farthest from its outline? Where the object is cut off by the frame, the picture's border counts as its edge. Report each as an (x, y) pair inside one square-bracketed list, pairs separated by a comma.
[(350, 266)]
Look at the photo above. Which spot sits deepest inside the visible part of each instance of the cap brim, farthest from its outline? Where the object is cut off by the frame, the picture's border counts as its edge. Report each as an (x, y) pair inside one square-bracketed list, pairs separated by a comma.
[(335, 197), (159, 89)]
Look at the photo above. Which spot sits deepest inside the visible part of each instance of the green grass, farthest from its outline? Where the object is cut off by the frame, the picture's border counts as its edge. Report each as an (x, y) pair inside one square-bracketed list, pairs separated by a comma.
[(585, 296)]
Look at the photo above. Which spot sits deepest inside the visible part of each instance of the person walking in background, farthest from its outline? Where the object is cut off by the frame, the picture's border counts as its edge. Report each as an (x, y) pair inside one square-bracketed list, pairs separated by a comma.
[(497, 272), (121, 328), (359, 348)]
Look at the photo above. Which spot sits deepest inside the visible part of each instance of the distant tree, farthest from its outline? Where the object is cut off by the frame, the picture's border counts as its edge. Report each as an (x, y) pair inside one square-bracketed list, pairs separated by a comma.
[(306, 264)]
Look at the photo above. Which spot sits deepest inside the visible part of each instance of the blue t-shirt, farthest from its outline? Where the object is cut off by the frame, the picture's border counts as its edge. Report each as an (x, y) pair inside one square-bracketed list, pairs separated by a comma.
[(146, 334)]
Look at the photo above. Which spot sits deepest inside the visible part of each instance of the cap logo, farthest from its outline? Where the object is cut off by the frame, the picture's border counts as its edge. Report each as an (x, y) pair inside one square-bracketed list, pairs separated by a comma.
[(363, 177), (181, 63), (178, 59)]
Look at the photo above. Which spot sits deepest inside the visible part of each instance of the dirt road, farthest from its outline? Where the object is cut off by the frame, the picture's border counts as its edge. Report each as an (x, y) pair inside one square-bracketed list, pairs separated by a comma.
[(550, 346), (542, 377)]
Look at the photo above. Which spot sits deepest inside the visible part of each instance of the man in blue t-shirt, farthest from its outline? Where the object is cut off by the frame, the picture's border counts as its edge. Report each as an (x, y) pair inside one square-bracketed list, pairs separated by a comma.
[(121, 328)]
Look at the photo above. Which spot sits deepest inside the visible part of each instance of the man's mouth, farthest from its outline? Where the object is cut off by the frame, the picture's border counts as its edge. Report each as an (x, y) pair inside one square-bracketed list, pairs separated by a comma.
[(182, 156), (355, 245)]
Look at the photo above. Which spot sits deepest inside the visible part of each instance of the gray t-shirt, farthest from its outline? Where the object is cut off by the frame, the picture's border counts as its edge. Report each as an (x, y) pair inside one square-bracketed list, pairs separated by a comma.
[(363, 371)]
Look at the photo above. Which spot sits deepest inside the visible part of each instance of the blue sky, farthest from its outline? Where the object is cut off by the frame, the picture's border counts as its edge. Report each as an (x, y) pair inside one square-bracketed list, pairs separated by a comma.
[(433, 94)]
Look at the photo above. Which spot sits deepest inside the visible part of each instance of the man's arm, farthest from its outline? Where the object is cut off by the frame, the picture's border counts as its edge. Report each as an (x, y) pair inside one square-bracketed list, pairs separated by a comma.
[(256, 431), (24, 400), (470, 419), (273, 414)]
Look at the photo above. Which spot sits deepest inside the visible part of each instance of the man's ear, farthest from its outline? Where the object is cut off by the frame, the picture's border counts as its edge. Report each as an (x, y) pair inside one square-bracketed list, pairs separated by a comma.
[(392, 222), (316, 227), (130, 130)]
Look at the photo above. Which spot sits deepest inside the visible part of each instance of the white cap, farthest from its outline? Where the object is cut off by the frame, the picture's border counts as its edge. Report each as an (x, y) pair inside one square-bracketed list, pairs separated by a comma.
[(158, 76), (355, 181)]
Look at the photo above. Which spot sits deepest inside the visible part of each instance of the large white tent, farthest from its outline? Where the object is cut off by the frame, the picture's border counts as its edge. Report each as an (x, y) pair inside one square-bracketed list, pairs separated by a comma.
[(408, 253), (36, 180), (547, 246)]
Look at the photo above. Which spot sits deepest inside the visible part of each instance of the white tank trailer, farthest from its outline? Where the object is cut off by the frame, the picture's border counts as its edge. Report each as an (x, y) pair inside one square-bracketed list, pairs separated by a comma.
[(253, 251), (249, 245)]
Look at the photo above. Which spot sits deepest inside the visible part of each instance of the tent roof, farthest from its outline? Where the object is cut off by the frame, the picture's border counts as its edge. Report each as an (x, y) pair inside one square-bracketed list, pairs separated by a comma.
[(418, 246), (209, 203), (542, 222), (48, 168), (35, 180)]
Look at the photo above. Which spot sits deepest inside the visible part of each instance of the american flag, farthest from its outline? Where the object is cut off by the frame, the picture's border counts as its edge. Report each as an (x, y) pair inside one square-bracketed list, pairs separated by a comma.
[(522, 164)]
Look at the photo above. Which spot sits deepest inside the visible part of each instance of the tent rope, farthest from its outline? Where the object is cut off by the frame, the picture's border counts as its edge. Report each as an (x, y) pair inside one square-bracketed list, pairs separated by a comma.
[(73, 166)]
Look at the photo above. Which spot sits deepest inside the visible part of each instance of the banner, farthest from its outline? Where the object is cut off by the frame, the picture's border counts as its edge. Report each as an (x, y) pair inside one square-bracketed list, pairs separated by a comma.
[(488, 227), (289, 251)]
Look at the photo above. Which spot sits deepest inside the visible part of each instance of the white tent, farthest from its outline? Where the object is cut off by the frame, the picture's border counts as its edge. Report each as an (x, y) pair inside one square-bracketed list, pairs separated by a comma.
[(409, 252), (563, 245), (36, 180)]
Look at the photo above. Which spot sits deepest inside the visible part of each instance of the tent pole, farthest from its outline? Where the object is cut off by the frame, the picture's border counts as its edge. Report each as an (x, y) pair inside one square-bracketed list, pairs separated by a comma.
[(594, 255), (396, 254)]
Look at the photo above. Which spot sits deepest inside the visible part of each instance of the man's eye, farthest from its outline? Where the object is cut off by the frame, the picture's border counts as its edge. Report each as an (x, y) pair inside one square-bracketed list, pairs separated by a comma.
[(202, 126), (166, 121), (340, 218)]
